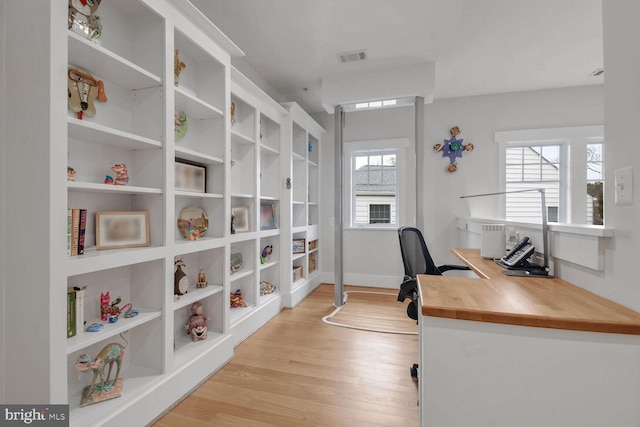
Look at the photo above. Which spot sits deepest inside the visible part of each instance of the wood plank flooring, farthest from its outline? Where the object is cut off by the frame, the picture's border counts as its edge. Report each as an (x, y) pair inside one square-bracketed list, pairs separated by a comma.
[(297, 371)]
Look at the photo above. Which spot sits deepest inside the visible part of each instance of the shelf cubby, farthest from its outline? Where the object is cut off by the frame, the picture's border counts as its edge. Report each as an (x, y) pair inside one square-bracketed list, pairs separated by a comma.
[(299, 142), (269, 135), (313, 149), (244, 200), (243, 169), (214, 209), (269, 174), (212, 262), (243, 130), (204, 76)]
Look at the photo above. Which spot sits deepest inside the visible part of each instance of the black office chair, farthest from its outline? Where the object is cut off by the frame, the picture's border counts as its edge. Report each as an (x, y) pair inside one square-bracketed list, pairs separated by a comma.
[(417, 260)]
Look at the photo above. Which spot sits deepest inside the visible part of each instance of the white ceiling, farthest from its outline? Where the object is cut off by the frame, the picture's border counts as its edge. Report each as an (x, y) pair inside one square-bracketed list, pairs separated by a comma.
[(480, 47)]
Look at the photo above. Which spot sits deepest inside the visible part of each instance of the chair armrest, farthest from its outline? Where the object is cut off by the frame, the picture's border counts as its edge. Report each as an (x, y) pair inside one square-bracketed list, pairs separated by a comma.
[(448, 267)]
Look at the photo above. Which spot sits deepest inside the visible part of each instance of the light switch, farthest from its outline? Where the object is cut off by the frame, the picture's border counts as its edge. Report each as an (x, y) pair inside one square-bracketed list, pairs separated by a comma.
[(624, 186)]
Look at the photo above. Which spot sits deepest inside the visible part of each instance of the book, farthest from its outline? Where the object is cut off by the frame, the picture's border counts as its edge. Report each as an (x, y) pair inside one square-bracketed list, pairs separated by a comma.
[(69, 212), (71, 313), (82, 230), (75, 231), (80, 291)]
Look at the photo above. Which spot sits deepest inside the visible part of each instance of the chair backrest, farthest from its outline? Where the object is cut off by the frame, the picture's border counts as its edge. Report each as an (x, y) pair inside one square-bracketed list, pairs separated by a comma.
[(415, 254)]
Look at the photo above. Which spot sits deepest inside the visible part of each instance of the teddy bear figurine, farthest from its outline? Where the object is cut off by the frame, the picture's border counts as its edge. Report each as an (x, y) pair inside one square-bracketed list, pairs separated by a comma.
[(197, 324)]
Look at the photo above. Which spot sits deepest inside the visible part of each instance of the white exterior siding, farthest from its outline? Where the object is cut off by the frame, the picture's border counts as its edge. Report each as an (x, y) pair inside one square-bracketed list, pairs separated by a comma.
[(362, 207)]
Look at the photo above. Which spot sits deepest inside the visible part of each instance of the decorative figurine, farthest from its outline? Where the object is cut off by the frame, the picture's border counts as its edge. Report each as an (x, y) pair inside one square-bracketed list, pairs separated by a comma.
[(193, 222), (110, 354), (233, 225), (180, 125), (128, 310), (191, 233), (72, 175), (233, 113), (83, 89), (178, 66), (266, 253), (180, 279), (109, 310), (236, 261), (83, 20), (453, 148), (202, 279), (267, 288), (95, 327), (197, 324), (122, 175), (236, 299)]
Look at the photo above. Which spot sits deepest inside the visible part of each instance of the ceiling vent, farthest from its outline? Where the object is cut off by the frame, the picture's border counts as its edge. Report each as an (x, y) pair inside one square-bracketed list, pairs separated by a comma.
[(597, 72), (354, 56)]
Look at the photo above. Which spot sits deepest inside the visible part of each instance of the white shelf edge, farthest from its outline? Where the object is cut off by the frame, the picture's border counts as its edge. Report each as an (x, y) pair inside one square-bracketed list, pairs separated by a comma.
[(297, 203), (75, 125), (243, 195), (312, 163), (297, 157), (269, 264), (195, 156), (188, 349), (269, 198), (239, 138), (113, 189), (196, 294), (238, 314), (240, 275), (242, 237), (144, 78), (203, 109), (184, 246), (266, 299), (194, 195), (270, 233), (268, 150), (123, 324), (300, 229), (297, 256), (94, 260), (313, 250)]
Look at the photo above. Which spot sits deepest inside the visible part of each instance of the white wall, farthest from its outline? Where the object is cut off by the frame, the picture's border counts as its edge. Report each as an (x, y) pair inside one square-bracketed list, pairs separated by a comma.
[(2, 183), (478, 118)]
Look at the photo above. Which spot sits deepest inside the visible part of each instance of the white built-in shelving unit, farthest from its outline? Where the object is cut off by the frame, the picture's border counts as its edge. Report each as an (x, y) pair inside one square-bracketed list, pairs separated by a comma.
[(247, 164), (304, 136)]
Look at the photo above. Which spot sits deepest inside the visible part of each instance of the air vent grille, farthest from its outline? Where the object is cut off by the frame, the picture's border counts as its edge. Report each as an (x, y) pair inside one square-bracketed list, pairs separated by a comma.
[(353, 56)]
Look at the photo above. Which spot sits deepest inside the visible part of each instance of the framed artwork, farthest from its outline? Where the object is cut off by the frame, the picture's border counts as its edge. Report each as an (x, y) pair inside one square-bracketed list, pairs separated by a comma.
[(267, 217), (298, 246), (116, 230), (190, 176), (240, 218)]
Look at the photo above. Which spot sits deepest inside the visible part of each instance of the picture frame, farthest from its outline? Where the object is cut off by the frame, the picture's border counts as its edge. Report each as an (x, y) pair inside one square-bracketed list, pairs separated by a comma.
[(240, 216), (116, 230), (298, 246), (267, 217), (190, 176)]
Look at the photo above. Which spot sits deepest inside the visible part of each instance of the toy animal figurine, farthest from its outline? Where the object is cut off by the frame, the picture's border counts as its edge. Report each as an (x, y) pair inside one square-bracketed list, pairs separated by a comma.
[(236, 299), (178, 66), (267, 288), (122, 174), (202, 279), (197, 324), (233, 113), (266, 253), (180, 279), (83, 20), (83, 89), (72, 175), (104, 305), (110, 354)]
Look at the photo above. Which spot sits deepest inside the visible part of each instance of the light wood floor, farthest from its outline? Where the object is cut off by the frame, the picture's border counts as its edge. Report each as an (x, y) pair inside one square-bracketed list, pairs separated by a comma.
[(297, 371)]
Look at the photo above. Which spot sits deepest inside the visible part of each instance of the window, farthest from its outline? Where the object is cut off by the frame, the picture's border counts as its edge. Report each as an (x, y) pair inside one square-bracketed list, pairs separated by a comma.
[(530, 167), (374, 187), (563, 161), (595, 184), (379, 214)]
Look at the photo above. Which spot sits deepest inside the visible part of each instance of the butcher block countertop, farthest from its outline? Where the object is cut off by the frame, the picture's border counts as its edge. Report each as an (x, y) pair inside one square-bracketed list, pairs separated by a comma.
[(523, 301)]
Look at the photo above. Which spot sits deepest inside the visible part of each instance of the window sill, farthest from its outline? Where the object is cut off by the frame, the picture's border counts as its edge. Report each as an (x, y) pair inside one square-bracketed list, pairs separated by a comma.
[(581, 229), (392, 228)]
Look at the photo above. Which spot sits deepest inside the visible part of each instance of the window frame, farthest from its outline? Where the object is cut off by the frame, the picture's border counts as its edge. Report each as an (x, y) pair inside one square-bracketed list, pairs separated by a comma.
[(573, 164), (403, 185)]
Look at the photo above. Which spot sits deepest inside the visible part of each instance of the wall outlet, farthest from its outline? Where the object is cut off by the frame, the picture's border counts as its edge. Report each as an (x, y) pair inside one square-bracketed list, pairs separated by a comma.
[(624, 186)]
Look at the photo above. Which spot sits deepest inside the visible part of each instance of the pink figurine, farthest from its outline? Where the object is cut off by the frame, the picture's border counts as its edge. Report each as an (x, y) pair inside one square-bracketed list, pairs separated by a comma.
[(122, 176), (197, 324)]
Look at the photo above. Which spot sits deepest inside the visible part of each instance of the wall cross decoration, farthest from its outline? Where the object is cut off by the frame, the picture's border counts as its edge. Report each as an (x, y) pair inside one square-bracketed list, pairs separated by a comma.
[(453, 148)]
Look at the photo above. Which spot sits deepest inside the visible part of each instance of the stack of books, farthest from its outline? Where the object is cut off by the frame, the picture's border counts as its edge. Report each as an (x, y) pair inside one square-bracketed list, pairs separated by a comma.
[(75, 311), (76, 228)]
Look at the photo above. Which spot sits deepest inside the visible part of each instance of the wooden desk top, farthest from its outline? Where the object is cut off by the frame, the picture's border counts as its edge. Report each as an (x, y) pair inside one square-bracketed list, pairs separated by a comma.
[(526, 301)]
